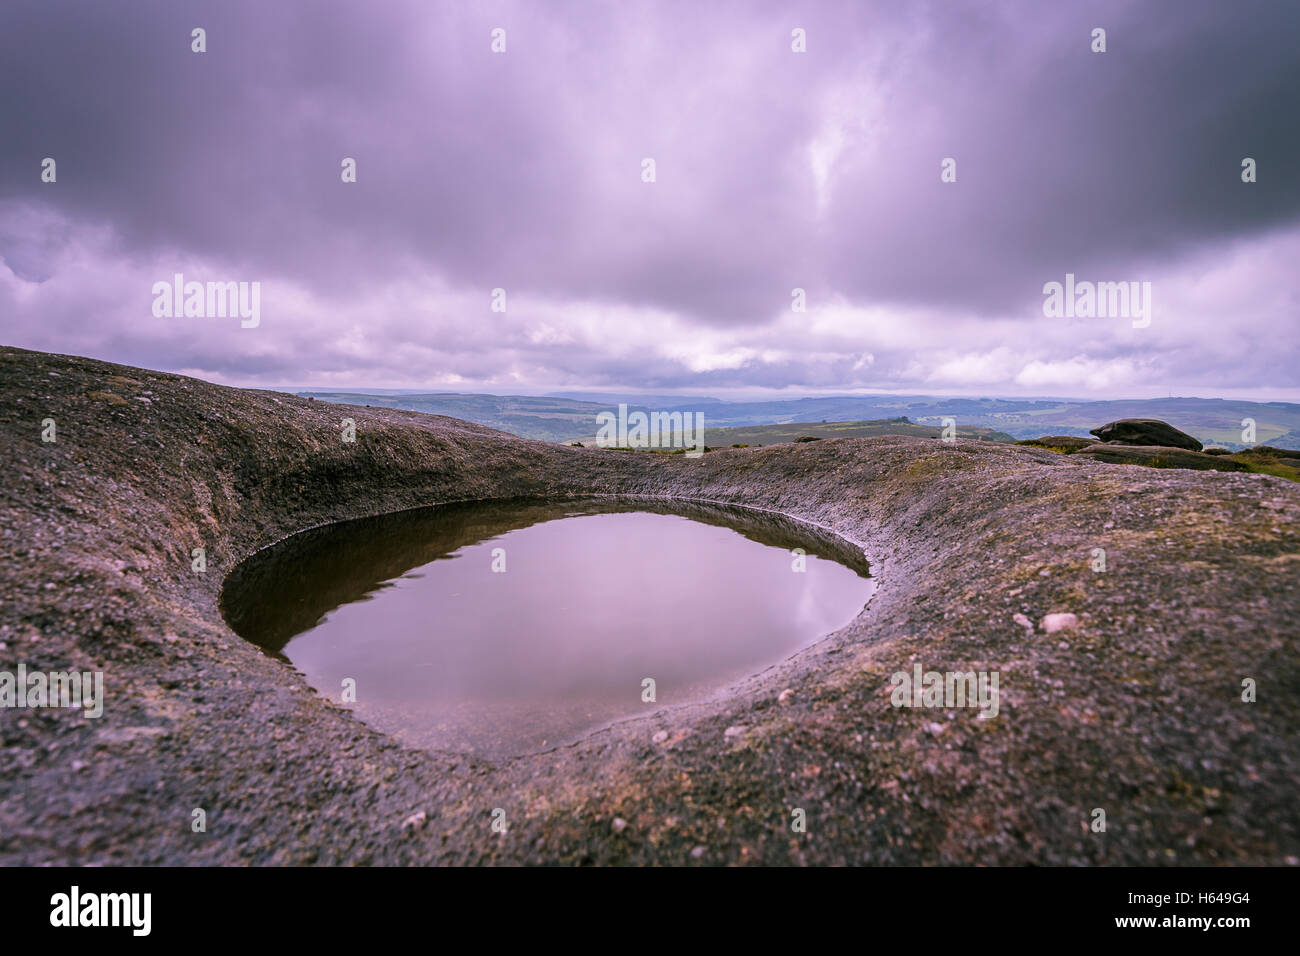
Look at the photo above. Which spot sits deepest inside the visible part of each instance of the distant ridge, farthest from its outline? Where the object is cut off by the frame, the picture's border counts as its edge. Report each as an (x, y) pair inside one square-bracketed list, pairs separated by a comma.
[(1212, 421)]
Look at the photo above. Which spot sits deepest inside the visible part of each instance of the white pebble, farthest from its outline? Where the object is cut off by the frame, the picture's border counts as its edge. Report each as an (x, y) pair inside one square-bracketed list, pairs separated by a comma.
[(1059, 622)]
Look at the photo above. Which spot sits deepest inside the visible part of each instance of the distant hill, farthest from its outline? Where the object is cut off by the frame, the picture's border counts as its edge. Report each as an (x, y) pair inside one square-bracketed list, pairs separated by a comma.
[(1213, 421), (754, 435), (547, 419)]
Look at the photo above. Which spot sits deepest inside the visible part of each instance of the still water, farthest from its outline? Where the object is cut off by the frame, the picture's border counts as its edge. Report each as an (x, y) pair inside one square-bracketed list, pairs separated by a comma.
[(506, 628)]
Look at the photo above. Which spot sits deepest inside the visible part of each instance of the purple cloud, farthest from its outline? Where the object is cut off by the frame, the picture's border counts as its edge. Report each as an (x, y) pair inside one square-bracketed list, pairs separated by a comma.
[(775, 170)]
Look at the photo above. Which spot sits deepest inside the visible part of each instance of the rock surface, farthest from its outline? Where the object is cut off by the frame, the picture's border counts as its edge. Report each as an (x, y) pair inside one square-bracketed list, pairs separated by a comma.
[(1141, 714), (1145, 431), (1158, 456), (1065, 443)]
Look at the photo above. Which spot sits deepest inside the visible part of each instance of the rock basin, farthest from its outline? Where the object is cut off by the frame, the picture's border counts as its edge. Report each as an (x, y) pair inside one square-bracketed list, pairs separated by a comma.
[(1137, 709)]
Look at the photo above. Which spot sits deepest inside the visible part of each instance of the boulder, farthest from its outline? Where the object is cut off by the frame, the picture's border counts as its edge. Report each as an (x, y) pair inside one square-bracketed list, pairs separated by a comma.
[(1145, 431)]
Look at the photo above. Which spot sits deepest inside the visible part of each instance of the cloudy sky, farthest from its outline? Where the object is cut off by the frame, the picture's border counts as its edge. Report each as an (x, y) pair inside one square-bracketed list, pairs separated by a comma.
[(774, 170)]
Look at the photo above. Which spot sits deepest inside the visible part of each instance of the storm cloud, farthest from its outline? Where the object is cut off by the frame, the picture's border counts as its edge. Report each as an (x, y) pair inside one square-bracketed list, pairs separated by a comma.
[(774, 170)]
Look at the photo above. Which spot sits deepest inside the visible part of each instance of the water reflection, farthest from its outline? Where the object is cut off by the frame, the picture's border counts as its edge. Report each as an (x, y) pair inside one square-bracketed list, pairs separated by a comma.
[(507, 627)]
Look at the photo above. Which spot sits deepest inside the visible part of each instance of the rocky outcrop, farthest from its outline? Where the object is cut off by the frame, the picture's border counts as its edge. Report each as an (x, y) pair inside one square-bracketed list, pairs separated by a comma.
[(1136, 707), (1158, 456), (1260, 459), (1145, 431)]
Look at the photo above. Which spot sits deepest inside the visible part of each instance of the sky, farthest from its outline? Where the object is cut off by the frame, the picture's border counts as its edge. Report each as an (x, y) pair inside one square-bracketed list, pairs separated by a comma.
[(774, 170)]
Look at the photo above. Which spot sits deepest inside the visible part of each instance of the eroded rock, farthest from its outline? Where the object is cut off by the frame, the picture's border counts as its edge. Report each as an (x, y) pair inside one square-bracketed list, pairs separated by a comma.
[(1145, 431), (1158, 456)]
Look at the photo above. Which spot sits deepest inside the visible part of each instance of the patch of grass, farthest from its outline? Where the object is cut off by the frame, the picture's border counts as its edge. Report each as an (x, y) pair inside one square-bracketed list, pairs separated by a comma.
[(109, 397), (1280, 471), (932, 465), (1266, 460), (1059, 449)]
